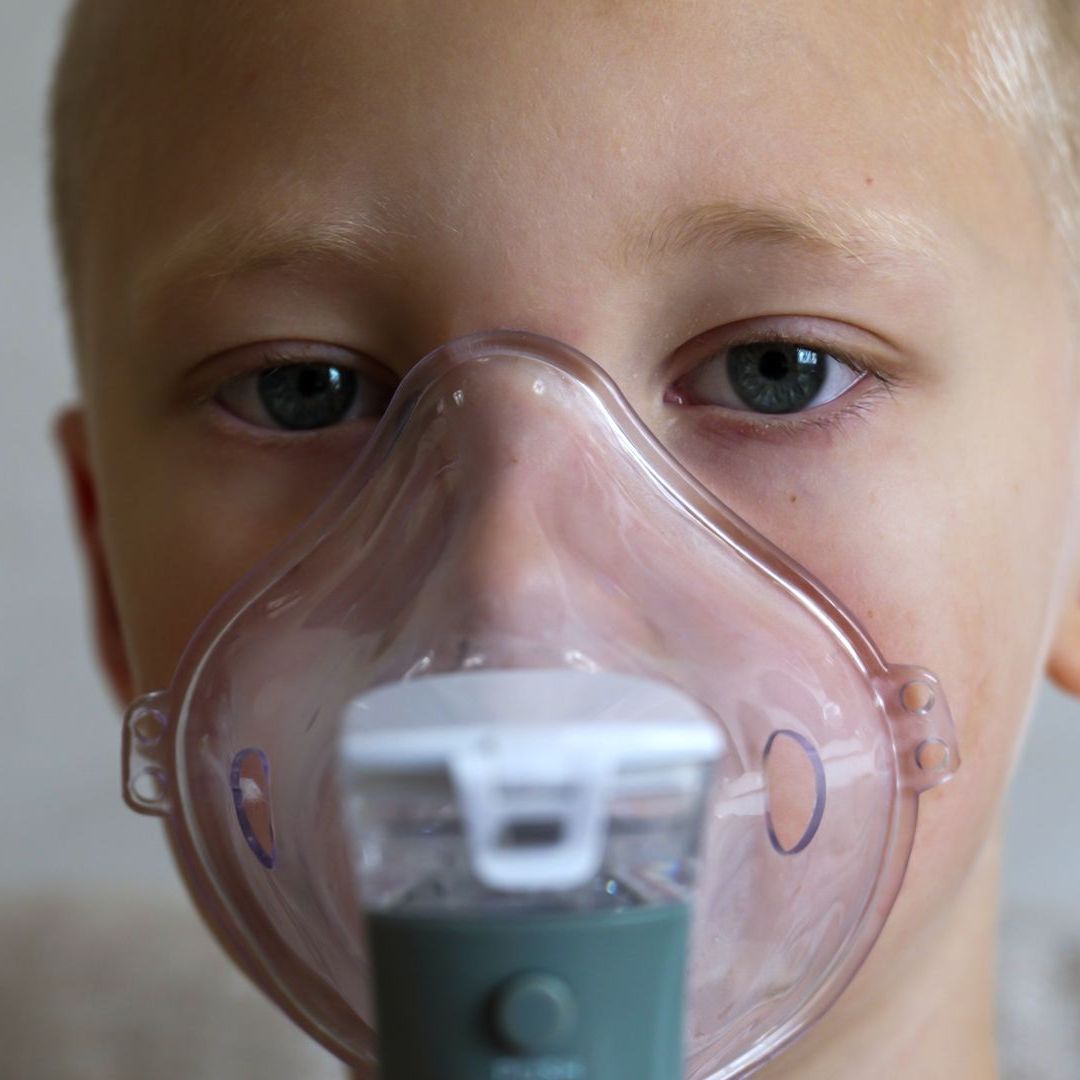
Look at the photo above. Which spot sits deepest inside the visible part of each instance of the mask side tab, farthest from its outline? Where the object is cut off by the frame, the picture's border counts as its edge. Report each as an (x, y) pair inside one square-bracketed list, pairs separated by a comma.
[(147, 756), (927, 751)]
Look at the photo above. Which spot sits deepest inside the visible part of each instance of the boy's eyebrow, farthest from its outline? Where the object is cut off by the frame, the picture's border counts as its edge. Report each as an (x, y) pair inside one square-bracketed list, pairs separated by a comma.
[(859, 233), (224, 247)]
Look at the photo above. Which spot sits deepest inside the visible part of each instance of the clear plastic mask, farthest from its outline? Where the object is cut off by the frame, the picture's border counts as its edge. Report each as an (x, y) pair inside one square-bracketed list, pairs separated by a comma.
[(512, 514)]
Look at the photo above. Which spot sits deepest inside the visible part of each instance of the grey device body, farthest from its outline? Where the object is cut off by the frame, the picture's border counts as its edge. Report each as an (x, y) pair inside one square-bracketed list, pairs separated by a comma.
[(525, 845), (580, 995)]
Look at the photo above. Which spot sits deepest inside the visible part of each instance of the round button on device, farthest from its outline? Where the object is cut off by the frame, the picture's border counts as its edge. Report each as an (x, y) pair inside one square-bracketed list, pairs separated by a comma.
[(533, 1013)]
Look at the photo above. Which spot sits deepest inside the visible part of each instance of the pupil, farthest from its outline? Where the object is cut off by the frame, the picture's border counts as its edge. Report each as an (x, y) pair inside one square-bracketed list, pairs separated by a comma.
[(774, 364), (312, 381), (776, 378)]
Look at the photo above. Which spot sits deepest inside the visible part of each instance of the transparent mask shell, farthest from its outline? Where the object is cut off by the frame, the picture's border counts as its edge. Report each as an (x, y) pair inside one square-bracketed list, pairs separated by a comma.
[(512, 512)]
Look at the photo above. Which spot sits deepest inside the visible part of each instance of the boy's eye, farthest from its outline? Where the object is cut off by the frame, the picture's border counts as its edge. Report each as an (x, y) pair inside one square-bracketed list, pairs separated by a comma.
[(305, 396), (766, 377)]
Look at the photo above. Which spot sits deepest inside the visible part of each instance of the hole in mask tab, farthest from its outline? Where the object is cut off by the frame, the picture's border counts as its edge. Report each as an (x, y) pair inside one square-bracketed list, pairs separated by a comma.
[(149, 727), (249, 779), (148, 786), (917, 697), (932, 755), (795, 787)]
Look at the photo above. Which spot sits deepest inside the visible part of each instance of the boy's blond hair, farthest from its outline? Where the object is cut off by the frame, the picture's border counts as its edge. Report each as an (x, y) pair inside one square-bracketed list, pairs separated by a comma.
[(1025, 55), (1027, 76)]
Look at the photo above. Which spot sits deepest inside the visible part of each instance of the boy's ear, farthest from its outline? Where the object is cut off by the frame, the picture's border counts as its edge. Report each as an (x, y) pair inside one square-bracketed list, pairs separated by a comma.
[(69, 429), (1064, 664)]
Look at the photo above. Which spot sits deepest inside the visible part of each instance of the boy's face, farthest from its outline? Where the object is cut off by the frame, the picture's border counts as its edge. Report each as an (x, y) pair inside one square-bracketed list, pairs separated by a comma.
[(522, 159)]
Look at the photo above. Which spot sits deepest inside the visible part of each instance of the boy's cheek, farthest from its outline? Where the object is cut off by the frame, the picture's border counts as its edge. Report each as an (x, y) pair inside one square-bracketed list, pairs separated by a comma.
[(971, 601), (179, 537), (944, 541)]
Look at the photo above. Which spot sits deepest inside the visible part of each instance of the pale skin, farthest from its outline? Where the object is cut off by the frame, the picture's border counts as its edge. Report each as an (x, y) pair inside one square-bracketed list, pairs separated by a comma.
[(519, 148)]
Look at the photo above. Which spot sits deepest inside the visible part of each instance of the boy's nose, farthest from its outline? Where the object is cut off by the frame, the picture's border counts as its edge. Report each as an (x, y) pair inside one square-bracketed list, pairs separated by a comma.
[(509, 577), (525, 463)]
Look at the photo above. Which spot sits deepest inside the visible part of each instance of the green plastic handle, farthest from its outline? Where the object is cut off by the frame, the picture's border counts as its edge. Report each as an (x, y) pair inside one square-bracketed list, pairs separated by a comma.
[(594, 995)]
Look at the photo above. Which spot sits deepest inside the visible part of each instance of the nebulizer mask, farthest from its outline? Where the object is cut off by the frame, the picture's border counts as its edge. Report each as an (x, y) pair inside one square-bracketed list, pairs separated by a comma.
[(524, 758)]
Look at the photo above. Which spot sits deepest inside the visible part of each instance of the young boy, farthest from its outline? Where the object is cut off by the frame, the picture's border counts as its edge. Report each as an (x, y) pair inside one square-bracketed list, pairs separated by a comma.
[(333, 189)]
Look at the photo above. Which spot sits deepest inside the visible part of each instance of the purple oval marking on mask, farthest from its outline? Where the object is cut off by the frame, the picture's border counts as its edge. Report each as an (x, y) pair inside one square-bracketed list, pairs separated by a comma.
[(249, 779), (811, 756)]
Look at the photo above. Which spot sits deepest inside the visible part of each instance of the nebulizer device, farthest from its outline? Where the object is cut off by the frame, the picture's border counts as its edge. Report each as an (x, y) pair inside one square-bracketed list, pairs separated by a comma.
[(525, 758)]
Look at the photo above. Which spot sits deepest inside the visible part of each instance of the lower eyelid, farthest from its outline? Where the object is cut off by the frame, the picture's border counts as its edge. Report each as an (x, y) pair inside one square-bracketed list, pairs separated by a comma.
[(350, 434), (829, 420)]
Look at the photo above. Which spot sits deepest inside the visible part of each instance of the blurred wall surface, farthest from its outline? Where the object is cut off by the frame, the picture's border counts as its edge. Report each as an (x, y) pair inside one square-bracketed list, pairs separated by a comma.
[(64, 832)]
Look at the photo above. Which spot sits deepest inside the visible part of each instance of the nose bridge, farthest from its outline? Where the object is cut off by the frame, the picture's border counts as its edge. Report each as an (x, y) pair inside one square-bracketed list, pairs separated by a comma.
[(508, 572), (514, 440), (530, 500), (504, 407)]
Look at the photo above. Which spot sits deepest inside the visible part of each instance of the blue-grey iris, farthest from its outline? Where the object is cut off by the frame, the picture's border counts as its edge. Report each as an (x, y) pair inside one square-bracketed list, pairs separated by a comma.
[(301, 397), (775, 377)]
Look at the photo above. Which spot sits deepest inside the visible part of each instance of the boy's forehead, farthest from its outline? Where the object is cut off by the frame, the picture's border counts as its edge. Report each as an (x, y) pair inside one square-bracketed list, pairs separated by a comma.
[(560, 121)]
